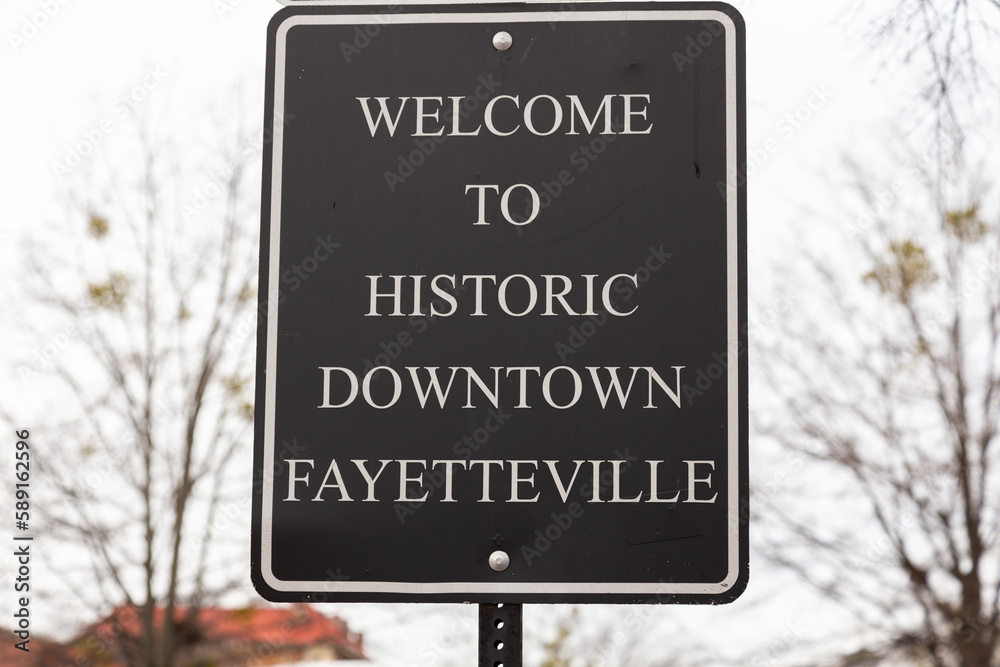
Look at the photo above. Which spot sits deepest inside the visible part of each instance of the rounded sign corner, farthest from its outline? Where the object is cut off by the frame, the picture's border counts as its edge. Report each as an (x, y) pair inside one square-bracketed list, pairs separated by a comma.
[(265, 584), (733, 14), (735, 585), (277, 25)]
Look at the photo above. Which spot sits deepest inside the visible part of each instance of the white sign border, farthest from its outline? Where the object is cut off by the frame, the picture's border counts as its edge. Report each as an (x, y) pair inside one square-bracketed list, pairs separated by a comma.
[(732, 251)]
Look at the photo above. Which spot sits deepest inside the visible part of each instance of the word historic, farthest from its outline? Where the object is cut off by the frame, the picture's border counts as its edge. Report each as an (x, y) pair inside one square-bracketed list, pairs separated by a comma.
[(554, 292)]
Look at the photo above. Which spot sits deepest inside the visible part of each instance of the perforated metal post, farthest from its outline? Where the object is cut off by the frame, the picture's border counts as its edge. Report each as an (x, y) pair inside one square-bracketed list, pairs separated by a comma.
[(499, 635)]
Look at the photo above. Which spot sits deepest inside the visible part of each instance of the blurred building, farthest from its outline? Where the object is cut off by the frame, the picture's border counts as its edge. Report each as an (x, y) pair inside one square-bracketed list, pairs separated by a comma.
[(43, 653), (252, 636)]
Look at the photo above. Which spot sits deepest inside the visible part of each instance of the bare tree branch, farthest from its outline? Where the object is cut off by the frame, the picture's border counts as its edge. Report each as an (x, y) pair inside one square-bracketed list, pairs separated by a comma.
[(154, 424)]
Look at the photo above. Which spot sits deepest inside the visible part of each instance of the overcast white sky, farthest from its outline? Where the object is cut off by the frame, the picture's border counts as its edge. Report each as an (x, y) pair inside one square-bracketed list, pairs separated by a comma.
[(65, 76)]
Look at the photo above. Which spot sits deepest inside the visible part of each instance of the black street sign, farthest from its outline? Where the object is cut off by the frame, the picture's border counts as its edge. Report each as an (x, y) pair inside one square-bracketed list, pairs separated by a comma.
[(502, 329)]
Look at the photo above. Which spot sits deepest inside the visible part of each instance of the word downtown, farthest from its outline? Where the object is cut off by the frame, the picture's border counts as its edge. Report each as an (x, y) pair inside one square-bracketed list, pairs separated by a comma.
[(341, 387)]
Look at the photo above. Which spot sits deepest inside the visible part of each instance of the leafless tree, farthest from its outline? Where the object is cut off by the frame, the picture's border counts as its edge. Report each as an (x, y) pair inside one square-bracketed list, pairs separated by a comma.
[(883, 390), (143, 298), (951, 44), (882, 379), (634, 640)]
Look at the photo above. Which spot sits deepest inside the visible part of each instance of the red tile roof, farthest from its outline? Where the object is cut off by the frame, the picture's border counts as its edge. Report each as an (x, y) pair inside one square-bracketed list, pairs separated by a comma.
[(299, 625), (296, 625), (41, 652)]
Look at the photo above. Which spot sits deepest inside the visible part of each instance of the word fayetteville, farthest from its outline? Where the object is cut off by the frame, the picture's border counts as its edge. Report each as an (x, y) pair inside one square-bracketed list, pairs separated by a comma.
[(686, 482)]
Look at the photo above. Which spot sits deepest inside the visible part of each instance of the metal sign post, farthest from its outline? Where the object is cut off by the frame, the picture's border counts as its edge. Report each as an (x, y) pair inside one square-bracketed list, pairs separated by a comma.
[(500, 627), (502, 327)]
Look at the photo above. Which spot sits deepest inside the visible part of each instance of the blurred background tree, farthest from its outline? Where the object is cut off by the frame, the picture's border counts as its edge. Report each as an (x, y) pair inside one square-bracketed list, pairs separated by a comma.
[(888, 384), (949, 45), (149, 376), (883, 383)]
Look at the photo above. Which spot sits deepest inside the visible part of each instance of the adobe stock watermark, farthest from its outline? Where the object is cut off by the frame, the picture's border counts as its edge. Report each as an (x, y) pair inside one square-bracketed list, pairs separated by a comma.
[(563, 522), (393, 350), (362, 37), (582, 158), (770, 490), (580, 334), (884, 548), (121, 109), (223, 8), (34, 23), (434, 649), (984, 279), (297, 274), (785, 128), (215, 186), (51, 347), (468, 445), (888, 196), (424, 147), (632, 623), (223, 518), (696, 45), (268, 650), (292, 279), (706, 376), (106, 466), (330, 575), (793, 633), (100, 643), (791, 466), (555, 16), (782, 304)]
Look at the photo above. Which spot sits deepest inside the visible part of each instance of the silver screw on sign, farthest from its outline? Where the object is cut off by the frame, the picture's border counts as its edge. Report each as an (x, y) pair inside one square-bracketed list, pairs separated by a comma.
[(499, 561), (502, 41)]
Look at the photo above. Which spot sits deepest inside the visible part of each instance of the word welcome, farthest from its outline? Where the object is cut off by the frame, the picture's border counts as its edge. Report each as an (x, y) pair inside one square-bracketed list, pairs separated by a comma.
[(539, 111)]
